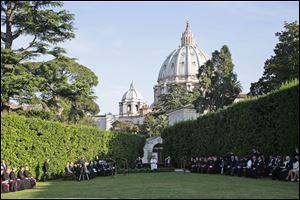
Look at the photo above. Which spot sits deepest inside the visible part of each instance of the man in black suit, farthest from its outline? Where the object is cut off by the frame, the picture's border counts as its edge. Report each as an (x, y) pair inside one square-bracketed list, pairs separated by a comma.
[(139, 163), (168, 162), (277, 168), (253, 169), (21, 173), (13, 180), (28, 176), (45, 170)]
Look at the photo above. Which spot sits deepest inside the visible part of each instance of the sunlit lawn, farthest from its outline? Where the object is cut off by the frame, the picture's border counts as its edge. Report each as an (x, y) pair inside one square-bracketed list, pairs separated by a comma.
[(162, 185)]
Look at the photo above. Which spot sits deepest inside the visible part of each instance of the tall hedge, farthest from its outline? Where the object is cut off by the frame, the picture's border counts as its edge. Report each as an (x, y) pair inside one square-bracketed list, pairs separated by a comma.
[(29, 141), (269, 123)]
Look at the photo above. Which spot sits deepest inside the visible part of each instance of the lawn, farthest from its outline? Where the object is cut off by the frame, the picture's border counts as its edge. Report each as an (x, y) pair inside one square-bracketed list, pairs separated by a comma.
[(162, 185)]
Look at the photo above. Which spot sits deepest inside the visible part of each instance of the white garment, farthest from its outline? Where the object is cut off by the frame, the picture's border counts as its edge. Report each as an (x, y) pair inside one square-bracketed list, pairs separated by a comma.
[(296, 166), (153, 163), (249, 163)]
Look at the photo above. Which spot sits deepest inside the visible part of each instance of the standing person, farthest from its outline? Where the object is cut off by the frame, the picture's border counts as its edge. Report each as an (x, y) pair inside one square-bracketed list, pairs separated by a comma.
[(295, 153), (168, 162), (153, 163), (45, 170)]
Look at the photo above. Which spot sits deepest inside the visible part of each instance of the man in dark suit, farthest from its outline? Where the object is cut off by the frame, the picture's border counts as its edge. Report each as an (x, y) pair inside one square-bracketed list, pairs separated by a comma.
[(45, 170), (168, 162), (277, 168), (13, 180), (139, 163), (253, 168), (21, 173), (28, 176)]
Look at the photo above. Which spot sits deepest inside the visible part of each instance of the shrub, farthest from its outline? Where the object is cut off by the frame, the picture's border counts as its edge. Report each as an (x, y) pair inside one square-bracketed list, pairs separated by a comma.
[(269, 123), (29, 141)]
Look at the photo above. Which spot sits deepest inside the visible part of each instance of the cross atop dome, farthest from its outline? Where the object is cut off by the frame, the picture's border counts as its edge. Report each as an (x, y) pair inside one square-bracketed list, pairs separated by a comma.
[(131, 85), (187, 25)]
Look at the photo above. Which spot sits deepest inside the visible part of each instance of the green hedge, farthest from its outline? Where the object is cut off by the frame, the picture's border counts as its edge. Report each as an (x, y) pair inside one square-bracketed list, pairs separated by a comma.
[(29, 141), (269, 123)]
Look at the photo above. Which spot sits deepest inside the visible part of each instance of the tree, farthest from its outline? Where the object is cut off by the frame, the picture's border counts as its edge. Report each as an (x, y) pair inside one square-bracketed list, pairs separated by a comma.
[(66, 88), (284, 65), (218, 83), (61, 86), (46, 28), (125, 127), (31, 18), (153, 125), (176, 97)]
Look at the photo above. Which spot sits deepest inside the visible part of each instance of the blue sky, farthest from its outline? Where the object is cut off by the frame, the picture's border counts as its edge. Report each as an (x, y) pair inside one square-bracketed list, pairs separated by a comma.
[(125, 41)]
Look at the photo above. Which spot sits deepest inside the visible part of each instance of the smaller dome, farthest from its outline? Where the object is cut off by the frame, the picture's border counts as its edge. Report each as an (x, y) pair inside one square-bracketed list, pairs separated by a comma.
[(132, 94)]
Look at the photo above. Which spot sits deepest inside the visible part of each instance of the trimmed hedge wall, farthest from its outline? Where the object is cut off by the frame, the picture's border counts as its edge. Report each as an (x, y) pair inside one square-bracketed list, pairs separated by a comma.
[(29, 141), (269, 123)]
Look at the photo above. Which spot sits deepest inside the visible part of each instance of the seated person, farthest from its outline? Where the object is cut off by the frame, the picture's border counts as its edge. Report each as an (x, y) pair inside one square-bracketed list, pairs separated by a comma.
[(210, 165), (5, 186), (23, 183), (253, 167), (230, 166), (285, 168), (260, 165), (21, 173), (139, 163), (13, 179), (216, 165), (240, 166), (203, 165), (236, 167), (271, 165), (277, 168), (28, 176), (293, 173), (68, 171), (222, 165)]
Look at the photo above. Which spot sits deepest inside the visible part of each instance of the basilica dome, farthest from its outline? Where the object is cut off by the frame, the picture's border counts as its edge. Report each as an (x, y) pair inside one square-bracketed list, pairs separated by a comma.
[(181, 65)]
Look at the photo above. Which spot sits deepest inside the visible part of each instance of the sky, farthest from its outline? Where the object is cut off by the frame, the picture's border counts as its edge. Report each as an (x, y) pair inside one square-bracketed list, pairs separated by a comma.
[(128, 41)]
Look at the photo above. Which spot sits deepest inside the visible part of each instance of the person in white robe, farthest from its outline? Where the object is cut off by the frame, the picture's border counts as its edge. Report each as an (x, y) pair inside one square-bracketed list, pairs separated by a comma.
[(153, 163)]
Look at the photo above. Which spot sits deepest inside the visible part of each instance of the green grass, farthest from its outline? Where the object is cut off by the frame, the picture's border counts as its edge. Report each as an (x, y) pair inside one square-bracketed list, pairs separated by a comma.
[(162, 185)]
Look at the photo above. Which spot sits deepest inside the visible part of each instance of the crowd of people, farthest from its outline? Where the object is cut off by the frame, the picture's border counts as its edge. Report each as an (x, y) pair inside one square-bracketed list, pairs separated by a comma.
[(86, 170), (254, 165), (13, 180), (251, 166)]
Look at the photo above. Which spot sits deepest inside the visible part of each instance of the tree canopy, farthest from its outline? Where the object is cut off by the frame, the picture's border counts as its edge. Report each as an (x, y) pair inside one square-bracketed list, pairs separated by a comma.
[(60, 85), (218, 83), (284, 65)]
